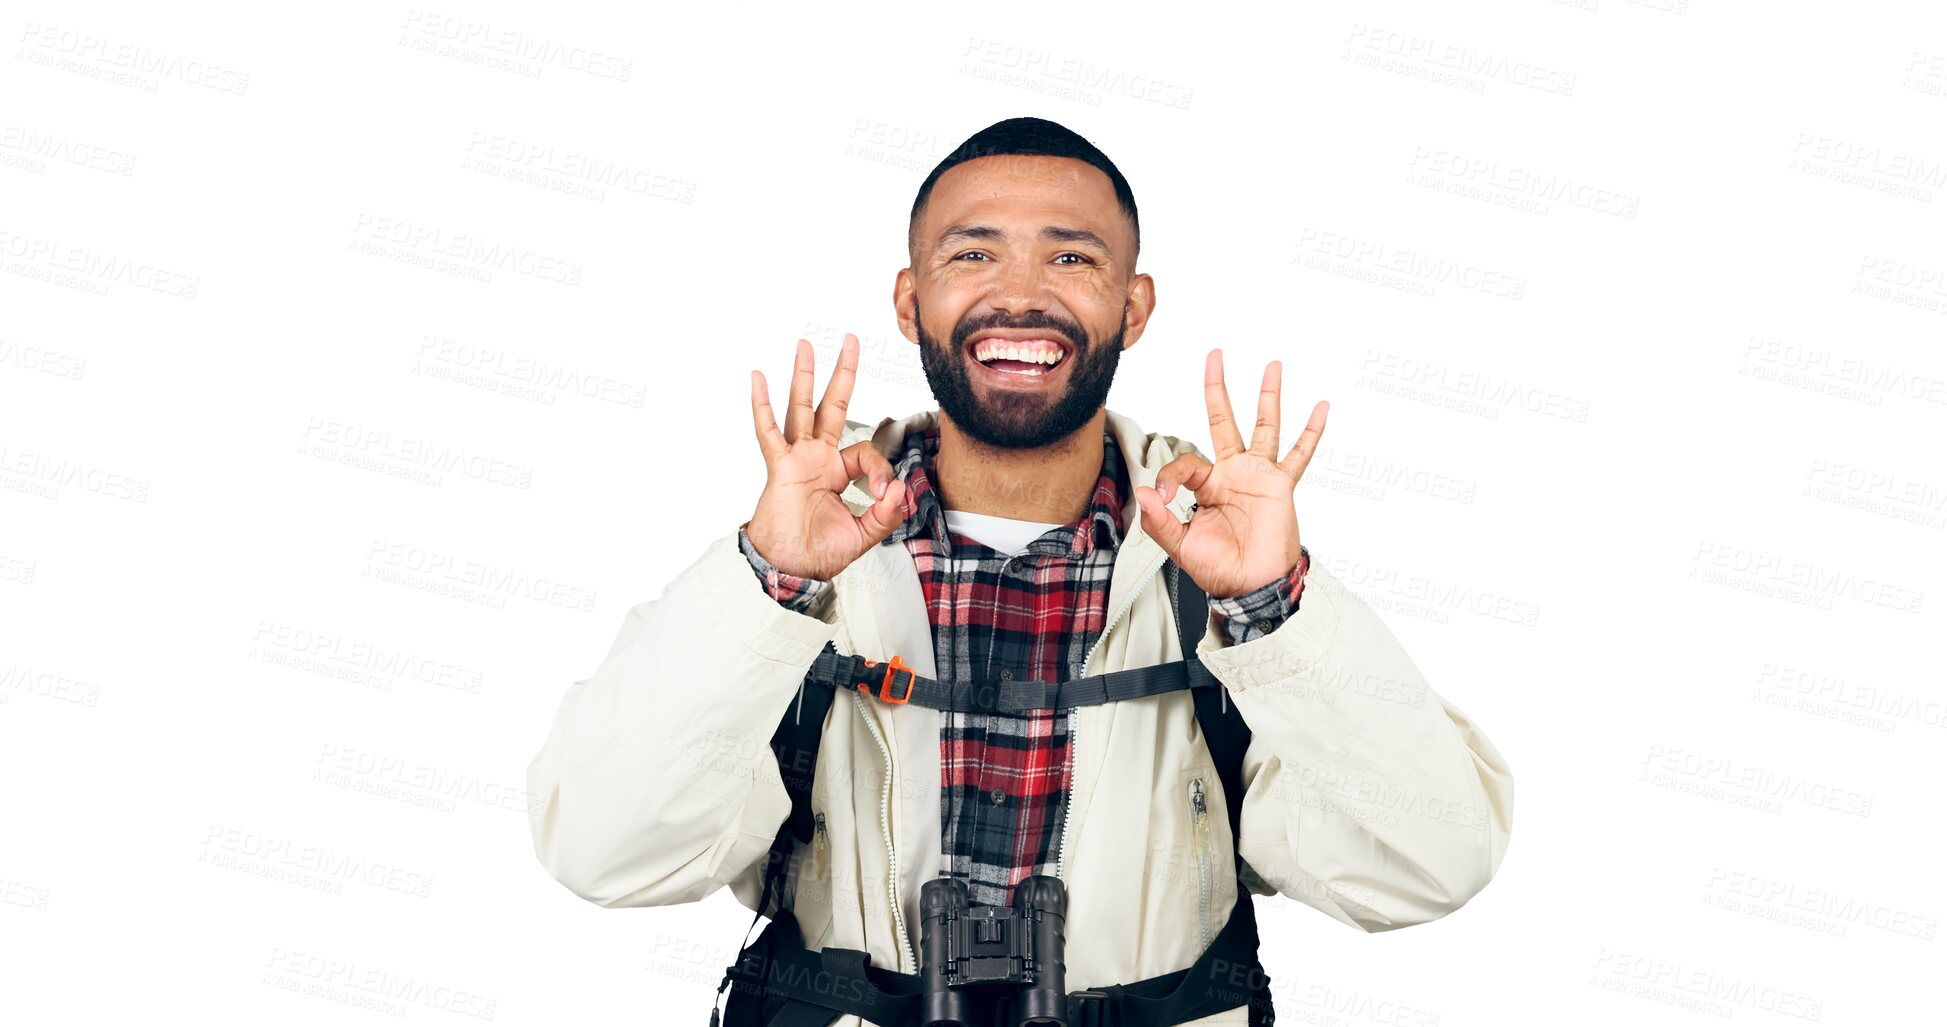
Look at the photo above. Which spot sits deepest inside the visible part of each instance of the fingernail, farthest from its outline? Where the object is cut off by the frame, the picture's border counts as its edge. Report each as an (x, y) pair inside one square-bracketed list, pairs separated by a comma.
[(1165, 492), (879, 487)]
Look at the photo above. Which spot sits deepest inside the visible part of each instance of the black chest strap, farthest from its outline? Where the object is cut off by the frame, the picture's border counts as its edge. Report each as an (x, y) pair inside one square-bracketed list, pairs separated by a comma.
[(893, 682)]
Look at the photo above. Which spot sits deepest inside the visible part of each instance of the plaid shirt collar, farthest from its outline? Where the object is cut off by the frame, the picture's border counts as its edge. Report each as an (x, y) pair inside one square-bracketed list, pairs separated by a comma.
[(924, 512)]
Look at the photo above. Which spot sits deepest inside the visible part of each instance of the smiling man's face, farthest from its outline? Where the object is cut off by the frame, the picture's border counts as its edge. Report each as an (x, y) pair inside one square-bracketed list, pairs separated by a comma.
[(1022, 296)]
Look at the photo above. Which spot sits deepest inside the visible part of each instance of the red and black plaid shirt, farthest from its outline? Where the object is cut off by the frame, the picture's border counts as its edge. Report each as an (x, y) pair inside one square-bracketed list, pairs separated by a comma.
[(1004, 778)]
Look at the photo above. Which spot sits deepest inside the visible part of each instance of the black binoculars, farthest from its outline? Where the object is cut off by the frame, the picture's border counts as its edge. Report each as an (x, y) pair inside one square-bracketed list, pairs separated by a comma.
[(993, 964)]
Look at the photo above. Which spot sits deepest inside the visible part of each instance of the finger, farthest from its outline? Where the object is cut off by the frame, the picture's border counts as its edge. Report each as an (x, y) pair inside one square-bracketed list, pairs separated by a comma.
[(1264, 438), (838, 392), (798, 414), (769, 438), (1189, 470), (1158, 522), (1295, 461), (863, 460), (1224, 439), (885, 513)]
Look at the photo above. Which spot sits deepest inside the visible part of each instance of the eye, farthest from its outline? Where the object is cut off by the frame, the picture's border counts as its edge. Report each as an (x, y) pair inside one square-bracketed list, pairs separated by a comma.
[(1077, 256), (971, 253)]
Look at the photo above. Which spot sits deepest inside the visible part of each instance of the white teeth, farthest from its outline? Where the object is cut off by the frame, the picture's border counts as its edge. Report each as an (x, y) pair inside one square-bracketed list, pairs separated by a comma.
[(1003, 350)]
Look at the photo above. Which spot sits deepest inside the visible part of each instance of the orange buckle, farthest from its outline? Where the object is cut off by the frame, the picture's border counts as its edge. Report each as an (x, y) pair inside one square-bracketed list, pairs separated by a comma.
[(885, 684)]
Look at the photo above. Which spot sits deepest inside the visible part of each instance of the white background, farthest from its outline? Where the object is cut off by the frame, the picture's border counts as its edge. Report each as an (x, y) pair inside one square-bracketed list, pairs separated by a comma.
[(1630, 317)]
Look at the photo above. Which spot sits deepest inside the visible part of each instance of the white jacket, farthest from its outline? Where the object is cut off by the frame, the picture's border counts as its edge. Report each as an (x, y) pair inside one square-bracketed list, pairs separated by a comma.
[(1368, 797)]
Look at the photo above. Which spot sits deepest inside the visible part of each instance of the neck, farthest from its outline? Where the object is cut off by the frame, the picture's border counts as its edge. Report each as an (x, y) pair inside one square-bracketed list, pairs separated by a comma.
[(1051, 484)]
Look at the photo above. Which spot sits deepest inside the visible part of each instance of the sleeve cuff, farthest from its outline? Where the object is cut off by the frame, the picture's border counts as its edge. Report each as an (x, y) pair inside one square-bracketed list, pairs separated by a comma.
[(1258, 612), (791, 591)]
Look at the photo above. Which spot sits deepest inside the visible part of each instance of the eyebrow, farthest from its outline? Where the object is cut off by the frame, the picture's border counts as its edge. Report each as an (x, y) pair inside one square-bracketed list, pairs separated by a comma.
[(1053, 233)]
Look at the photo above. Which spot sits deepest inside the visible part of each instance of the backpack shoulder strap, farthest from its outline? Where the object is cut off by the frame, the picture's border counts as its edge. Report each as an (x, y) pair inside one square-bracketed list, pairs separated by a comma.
[(1224, 730), (795, 744)]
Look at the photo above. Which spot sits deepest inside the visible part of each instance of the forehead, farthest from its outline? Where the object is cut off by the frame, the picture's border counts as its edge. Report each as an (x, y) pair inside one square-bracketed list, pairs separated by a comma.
[(1033, 190)]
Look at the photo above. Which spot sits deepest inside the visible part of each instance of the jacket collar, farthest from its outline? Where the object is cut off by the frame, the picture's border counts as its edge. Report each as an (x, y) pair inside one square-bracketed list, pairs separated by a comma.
[(1143, 454), (1101, 524)]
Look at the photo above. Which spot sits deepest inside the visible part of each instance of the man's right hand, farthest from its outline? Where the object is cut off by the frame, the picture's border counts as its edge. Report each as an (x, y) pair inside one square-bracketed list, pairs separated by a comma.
[(801, 526)]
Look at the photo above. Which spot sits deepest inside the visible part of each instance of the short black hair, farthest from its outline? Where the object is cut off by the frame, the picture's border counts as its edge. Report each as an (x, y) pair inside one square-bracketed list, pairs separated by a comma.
[(1028, 137)]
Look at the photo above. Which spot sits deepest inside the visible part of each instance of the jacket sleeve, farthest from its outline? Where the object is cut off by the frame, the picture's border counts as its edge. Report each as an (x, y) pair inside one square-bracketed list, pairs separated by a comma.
[(1367, 796), (657, 784)]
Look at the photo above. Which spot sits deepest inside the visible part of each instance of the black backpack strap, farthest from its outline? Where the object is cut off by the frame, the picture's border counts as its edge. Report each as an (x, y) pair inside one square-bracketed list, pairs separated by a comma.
[(1224, 730), (1227, 736), (795, 744)]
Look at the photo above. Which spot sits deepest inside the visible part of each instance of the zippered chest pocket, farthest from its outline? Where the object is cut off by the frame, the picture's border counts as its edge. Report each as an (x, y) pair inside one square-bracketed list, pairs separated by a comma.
[(814, 894), (1204, 852)]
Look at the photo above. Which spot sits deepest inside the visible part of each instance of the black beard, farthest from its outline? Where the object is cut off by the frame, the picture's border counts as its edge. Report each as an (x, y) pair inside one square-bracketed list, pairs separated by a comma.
[(1019, 420)]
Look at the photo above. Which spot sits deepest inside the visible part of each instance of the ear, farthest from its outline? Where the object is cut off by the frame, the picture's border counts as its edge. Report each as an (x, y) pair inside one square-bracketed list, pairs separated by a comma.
[(1141, 302), (903, 287)]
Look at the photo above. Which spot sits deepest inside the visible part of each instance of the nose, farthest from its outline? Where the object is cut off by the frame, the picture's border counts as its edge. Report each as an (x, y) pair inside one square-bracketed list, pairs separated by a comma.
[(1022, 285)]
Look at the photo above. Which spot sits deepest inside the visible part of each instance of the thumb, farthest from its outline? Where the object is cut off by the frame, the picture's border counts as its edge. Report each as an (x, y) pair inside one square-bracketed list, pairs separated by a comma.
[(1159, 522), (886, 513)]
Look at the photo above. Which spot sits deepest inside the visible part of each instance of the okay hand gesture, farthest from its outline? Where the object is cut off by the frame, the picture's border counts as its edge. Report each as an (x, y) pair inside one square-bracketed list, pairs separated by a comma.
[(1244, 533), (802, 526)]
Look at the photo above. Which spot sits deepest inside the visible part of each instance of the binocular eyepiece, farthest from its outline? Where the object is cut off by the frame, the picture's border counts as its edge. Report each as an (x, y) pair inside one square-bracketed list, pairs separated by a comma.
[(965, 948)]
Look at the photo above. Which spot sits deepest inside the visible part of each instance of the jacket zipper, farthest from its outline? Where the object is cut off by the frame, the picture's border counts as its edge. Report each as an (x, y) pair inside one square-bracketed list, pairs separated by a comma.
[(906, 956), (1200, 831), (821, 853), (1068, 807)]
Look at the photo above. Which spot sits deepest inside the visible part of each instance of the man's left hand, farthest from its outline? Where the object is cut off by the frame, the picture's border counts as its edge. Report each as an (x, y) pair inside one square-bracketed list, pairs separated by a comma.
[(1244, 533)]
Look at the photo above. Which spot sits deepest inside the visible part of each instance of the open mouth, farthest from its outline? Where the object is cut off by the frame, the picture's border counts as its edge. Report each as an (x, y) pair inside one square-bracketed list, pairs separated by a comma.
[(1021, 358)]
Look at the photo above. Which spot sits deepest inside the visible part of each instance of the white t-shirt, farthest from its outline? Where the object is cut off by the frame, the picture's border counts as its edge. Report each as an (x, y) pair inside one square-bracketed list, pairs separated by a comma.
[(1001, 534)]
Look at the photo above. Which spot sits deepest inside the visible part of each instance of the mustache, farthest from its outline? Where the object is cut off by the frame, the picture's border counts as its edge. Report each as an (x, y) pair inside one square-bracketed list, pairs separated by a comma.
[(1072, 334)]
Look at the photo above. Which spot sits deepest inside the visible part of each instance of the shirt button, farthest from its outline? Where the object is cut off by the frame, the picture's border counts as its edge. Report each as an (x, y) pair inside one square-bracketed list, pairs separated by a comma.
[(1007, 675), (999, 796)]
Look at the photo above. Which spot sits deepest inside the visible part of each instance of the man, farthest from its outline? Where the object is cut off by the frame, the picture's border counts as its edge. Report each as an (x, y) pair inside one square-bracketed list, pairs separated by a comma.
[(1023, 531)]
